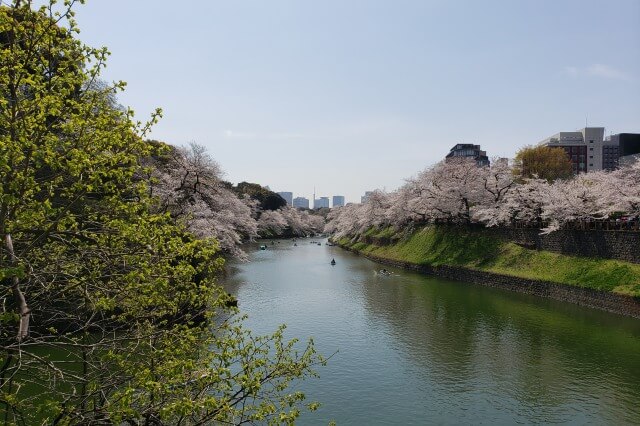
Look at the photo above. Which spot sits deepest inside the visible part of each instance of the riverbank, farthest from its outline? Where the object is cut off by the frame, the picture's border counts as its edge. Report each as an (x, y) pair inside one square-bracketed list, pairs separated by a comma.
[(478, 256)]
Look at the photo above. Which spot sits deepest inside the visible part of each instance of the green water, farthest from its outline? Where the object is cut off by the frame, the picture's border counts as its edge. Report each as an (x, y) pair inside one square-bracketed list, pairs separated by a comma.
[(421, 350)]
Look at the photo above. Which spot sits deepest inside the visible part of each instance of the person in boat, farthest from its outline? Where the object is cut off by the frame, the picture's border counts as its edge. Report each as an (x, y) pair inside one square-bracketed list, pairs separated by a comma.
[(333, 261)]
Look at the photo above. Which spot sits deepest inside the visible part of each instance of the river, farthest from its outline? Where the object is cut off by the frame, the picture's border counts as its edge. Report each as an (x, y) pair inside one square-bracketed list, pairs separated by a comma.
[(414, 349)]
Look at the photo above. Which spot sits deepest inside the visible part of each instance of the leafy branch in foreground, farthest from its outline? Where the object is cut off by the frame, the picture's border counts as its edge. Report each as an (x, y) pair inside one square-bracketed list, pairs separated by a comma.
[(108, 309)]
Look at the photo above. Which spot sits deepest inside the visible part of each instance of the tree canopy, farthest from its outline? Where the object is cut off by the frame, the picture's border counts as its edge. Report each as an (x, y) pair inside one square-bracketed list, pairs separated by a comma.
[(463, 193), (268, 200), (549, 163), (109, 313)]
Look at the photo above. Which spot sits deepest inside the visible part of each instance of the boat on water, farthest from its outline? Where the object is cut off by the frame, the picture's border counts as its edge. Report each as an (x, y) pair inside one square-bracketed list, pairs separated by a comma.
[(333, 261), (263, 247)]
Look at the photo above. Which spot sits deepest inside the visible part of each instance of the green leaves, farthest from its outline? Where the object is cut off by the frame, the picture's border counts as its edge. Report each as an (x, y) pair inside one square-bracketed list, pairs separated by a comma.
[(128, 323)]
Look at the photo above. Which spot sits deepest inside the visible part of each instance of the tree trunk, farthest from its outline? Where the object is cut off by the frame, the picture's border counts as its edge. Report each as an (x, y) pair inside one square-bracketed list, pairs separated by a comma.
[(23, 309)]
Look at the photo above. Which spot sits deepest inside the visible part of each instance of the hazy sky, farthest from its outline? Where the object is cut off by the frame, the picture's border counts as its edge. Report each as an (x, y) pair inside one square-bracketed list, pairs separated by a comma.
[(352, 95)]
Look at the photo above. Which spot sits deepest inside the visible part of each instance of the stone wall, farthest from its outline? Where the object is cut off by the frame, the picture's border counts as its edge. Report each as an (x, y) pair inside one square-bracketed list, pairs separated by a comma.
[(621, 245), (606, 301)]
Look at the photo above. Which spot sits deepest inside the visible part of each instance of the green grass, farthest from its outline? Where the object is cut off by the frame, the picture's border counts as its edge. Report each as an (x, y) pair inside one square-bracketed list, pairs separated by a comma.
[(386, 232), (478, 250)]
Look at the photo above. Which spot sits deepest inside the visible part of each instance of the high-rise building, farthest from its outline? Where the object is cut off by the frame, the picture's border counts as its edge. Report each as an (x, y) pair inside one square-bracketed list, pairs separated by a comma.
[(629, 143), (338, 201), (468, 150), (287, 196), (610, 155), (321, 202), (301, 203), (628, 148), (584, 147)]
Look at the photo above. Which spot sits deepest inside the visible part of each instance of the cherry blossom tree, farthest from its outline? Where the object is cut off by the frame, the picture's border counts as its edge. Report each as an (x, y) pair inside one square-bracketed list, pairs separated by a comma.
[(462, 192), (522, 204), (343, 221), (575, 200), (622, 190), (414, 201), (453, 189), (188, 185), (401, 210), (372, 212), (497, 181), (301, 223), (271, 223)]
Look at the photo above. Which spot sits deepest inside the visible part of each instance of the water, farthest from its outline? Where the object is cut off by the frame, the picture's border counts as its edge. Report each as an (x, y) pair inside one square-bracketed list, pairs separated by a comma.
[(414, 349)]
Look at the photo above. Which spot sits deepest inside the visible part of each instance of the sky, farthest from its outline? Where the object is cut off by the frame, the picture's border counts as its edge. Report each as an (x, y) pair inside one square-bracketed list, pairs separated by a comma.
[(352, 95)]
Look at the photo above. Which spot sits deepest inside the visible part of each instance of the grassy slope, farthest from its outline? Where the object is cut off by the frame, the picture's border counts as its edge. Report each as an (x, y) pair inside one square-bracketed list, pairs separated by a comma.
[(479, 250)]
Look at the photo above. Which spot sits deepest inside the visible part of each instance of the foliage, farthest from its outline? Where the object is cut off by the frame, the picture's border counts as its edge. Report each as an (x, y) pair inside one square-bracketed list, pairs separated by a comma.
[(188, 185), (109, 314), (267, 200), (549, 163)]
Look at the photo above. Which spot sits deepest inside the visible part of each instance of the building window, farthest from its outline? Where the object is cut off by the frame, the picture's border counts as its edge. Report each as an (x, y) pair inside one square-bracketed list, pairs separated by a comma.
[(590, 149), (591, 156), (590, 164)]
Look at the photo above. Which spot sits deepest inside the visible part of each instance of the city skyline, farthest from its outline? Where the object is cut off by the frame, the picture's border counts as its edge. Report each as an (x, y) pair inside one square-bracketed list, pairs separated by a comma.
[(377, 90), (318, 202)]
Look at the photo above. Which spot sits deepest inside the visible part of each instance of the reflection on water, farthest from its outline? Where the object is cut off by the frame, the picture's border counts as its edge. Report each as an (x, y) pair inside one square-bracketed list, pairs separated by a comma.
[(416, 349)]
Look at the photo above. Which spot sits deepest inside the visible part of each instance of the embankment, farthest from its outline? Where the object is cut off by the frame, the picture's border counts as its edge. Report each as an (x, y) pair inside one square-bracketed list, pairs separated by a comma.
[(482, 257)]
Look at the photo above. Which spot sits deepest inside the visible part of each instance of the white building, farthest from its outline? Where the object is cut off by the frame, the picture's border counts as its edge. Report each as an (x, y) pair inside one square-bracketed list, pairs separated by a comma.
[(287, 196), (301, 203), (338, 201)]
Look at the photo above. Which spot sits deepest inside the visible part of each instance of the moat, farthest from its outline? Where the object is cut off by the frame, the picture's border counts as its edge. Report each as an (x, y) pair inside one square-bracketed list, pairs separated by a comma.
[(414, 349)]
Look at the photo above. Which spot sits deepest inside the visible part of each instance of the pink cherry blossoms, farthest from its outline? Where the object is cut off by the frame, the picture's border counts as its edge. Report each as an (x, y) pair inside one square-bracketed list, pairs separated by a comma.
[(188, 185), (460, 192)]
